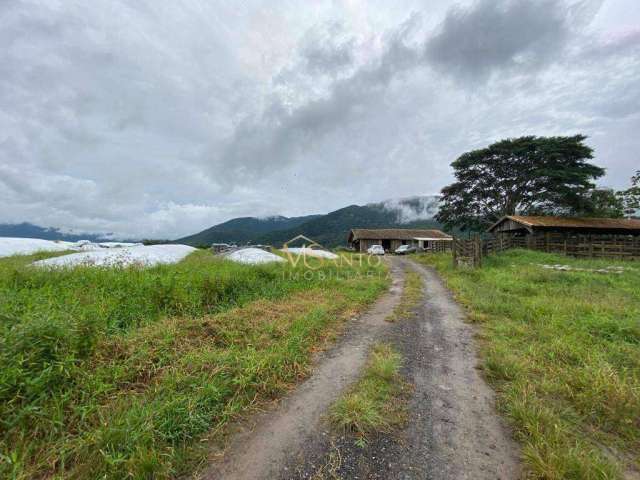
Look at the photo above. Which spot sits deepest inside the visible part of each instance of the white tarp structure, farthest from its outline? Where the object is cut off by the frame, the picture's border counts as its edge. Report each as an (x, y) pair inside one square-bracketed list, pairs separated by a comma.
[(144, 256), (311, 252), (26, 246), (253, 256)]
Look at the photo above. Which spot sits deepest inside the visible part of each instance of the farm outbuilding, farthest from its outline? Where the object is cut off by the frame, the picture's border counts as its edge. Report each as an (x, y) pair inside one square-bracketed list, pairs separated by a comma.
[(391, 238), (580, 237), (539, 225)]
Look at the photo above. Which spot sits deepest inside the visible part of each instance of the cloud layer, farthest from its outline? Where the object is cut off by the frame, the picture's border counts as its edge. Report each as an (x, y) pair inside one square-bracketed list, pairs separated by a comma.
[(163, 118)]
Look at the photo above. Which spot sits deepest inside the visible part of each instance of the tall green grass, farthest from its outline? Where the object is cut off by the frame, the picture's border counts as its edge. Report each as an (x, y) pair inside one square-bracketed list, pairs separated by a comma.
[(563, 351), (116, 373)]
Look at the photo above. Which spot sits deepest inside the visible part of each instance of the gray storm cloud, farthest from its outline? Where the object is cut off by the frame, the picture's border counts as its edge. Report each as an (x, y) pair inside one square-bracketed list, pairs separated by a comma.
[(474, 42), (162, 118)]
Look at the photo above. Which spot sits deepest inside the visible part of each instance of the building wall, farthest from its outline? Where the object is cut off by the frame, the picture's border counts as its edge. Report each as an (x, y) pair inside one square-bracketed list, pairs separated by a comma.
[(394, 244)]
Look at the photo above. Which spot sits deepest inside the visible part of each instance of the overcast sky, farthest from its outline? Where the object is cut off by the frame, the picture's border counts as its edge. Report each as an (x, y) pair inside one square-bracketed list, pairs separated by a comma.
[(159, 118)]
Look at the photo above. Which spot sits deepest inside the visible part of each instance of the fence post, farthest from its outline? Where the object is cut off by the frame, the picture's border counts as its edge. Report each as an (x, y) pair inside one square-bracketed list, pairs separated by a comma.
[(546, 241), (453, 252), (478, 249)]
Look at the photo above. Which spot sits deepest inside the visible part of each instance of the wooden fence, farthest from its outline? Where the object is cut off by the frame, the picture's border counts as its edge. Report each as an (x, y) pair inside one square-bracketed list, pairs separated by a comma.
[(621, 247), (440, 246), (467, 252)]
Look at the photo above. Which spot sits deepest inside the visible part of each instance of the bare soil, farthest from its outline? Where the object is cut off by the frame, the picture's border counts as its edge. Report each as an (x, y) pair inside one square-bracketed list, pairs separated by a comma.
[(453, 431)]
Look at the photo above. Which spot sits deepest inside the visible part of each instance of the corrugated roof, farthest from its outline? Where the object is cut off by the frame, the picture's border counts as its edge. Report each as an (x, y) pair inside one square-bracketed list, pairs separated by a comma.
[(572, 222), (394, 233)]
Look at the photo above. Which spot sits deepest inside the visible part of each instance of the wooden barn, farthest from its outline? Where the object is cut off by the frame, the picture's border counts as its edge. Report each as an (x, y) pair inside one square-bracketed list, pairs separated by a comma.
[(391, 238), (579, 237), (520, 225)]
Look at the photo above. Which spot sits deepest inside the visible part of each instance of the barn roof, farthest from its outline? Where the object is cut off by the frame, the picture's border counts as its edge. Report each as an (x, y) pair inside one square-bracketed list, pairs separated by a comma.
[(572, 222), (394, 234)]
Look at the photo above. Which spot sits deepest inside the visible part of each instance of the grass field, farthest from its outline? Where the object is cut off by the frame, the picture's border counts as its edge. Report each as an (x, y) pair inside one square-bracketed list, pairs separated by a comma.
[(562, 349), (132, 373)]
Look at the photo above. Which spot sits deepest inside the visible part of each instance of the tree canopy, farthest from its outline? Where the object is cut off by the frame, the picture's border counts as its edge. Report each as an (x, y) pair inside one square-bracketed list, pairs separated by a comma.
[(602, 203), (526, 175), (631, 197)]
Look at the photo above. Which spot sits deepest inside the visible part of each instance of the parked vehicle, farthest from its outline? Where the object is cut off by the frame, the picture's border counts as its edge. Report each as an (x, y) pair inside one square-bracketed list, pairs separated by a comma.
[(375, 250), (404, 249)]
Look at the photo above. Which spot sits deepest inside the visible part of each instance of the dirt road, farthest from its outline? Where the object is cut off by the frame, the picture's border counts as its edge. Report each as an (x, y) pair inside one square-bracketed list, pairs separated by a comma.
[(453, 432), (263, 448)]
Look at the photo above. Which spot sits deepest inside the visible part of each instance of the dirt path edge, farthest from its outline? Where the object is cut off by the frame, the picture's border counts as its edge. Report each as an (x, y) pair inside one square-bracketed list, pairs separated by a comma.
[(268, 441)]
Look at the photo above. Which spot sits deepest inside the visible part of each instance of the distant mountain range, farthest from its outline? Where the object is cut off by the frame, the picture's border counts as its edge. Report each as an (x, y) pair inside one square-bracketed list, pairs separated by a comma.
[(329, 230), (28, 230), (244, 230)]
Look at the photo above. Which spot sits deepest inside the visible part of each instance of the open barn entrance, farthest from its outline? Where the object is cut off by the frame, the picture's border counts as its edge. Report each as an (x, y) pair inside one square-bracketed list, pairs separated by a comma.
[(386, 244)]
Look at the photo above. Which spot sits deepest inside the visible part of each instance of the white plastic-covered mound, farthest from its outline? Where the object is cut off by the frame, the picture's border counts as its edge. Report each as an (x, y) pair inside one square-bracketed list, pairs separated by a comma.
[(253, 256), (311, 252), (118, 244), (26, 246), (144, 256)]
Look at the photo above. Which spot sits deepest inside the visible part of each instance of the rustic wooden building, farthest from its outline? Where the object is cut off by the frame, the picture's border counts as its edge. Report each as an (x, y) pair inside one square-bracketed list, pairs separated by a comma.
[(580, 237), (391, 238), (520, 225)]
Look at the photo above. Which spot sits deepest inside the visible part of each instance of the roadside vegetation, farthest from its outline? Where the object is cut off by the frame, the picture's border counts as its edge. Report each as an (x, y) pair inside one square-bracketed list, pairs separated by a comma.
[(375, 403), (562, 349), (132, 373)]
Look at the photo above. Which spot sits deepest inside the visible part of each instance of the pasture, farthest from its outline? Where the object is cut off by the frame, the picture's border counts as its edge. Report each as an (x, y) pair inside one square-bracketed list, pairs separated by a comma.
[(134, 373)]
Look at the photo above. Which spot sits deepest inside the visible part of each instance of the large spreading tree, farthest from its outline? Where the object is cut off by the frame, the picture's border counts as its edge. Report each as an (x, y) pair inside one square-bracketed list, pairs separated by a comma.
[(527, 175)]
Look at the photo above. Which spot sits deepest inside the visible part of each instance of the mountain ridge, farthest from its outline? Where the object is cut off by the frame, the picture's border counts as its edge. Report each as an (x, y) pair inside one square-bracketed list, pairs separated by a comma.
[(242, 229), (29, 230), (330, 229)]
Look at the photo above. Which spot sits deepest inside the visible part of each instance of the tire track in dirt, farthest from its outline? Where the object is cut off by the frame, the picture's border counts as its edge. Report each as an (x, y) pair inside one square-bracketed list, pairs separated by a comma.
[(453, 431), (266, 445)]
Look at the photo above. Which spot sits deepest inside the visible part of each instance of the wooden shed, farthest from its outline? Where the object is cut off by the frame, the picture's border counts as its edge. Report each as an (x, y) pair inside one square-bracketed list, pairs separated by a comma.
[(579, 237), (539, 225), (391, 238)]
